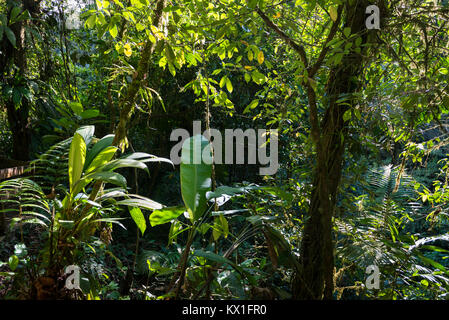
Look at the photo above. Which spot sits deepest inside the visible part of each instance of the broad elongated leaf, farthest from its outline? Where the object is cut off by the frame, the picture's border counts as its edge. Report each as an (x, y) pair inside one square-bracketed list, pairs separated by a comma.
[(141, 203), (138, 218), (111, 220), (421, 242), (102, 158), (196, 172), (76, 107), (87, 132), (77, 156), (229, 191), (112, 193), (145, 157), (220, 227), (88, 114), (108, 176), (228, 212), (102, 144), (123, 163), (165, 215), (14, 13)]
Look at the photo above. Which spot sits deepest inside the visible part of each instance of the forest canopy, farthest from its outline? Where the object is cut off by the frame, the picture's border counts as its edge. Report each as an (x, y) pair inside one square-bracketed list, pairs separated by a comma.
[(224, 149)]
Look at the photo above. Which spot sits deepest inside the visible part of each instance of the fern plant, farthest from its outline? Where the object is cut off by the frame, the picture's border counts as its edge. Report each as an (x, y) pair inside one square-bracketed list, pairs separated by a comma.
[(24, 199), (380, 230)]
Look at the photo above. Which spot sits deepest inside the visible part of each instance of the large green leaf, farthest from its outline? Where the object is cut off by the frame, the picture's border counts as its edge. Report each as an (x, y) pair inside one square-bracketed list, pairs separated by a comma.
[(14, 13), (102, 158), (103, 143), (145, 157), (13, 262), (229, 191), (76, 107), (196, 169), (108, 176), (123, 163), (138, 218), (77, 156), (141, 203), (165, 215), (87, 132), (88, 114)]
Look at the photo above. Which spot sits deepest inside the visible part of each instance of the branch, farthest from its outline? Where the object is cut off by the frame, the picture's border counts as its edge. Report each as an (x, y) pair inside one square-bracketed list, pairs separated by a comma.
[(313, 70), (295, 46)]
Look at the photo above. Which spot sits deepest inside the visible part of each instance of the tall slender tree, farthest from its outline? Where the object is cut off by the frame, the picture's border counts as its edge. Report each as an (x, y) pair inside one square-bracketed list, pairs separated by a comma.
[(315, 280)]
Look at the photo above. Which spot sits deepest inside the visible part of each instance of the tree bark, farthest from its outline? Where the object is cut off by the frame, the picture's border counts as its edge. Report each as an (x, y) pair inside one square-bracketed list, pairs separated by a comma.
[(315, 278), (127, 103)]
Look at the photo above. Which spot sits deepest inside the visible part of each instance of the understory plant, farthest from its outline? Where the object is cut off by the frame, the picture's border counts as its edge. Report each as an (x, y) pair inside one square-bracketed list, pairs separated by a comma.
[(84, 204)]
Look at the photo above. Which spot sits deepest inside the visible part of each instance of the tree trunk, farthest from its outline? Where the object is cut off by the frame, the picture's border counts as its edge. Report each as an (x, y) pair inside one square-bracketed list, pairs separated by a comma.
[(18, 115), (315, 279), (19, 125), (126, 105)]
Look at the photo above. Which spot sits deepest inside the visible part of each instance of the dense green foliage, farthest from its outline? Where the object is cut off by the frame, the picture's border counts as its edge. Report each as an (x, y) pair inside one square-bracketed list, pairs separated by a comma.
[(90, 92)]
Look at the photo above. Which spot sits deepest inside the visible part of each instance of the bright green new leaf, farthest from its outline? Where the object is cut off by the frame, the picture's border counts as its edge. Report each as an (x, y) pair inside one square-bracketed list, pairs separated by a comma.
[(108, 176), (251, 106), (88, 114), (223, 81), (91, 21), (77, 156), (165, 215), (229, 85), (141, 203), (102, 158), (102, 144), (138, 218), (258, 77), (113, 30), (260, 57), (76, 107), (250, 55), (347, 115)]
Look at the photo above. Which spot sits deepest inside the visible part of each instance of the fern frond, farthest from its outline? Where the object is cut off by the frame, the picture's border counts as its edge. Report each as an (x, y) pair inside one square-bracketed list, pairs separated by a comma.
[(24, 198)]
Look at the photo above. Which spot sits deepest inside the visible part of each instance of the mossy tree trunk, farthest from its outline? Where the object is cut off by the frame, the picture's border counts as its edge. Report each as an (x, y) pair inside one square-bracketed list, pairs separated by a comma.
[(315, 280)]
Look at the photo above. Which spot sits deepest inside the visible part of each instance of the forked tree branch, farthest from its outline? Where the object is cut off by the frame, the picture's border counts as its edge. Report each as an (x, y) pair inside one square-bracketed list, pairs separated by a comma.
[(317, 65), (295, 46)]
